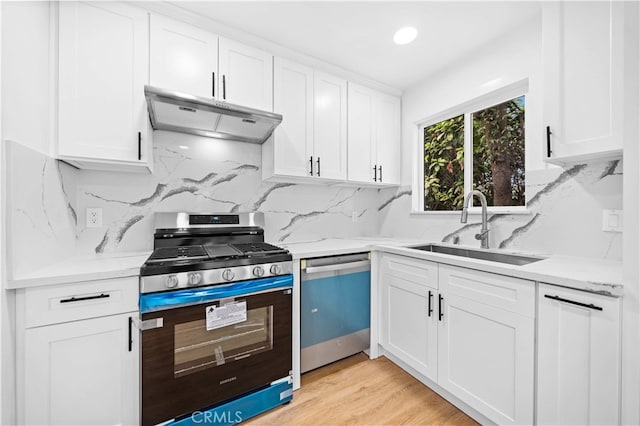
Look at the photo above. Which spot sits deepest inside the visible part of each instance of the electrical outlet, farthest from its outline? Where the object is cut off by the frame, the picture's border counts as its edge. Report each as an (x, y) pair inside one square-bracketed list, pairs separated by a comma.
[(612, 220), (94, 217), (354, 217)]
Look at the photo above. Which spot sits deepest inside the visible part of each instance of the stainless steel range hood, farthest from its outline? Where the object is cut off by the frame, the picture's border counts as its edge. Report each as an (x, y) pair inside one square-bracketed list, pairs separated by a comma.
[(180, 112)]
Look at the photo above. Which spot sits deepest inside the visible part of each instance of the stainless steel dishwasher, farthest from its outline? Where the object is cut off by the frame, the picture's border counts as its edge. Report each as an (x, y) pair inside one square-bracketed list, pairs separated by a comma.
[(335, 308)]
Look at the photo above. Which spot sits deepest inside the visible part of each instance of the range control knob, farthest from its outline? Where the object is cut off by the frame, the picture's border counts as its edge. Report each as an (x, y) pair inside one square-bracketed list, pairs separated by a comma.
[(194, 278), (258, 271), (171, 281), (228, 274), (275, 269)]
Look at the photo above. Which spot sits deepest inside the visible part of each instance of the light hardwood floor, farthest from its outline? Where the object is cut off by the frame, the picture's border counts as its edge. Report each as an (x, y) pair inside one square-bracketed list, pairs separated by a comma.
[(360, 391)]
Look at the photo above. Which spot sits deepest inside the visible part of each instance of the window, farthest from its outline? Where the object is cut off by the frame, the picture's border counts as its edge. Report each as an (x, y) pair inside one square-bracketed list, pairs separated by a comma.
[(444, 164), (498, 153), (482, 149)]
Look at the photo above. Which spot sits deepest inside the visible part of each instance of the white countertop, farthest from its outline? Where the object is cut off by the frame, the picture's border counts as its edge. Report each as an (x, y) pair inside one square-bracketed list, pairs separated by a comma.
[(336, 246), (594, 275), (83, 268)]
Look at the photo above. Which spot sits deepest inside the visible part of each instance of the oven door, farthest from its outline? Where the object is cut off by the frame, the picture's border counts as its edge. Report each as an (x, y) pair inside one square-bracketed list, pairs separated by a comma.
[(207, 345)]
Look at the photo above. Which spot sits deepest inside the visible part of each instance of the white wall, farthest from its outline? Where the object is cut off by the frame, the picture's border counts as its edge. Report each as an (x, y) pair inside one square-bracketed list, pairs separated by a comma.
[(26, 82), (25, 96), (7, 341), (502, 62), (631, 272), (553, 225), (2, 249)]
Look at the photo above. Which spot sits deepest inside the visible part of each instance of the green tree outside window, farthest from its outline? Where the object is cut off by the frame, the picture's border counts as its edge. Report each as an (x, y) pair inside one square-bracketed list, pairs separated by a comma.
[(497, 156)]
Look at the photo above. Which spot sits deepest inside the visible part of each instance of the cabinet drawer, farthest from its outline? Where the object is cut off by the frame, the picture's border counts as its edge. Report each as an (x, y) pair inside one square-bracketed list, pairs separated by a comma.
[(70, 302), (507, 293), (421, 272)]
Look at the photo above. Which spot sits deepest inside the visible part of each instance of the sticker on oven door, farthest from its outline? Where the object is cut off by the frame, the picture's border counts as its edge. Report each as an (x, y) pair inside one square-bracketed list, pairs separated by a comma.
[(219, 355), (222, 316)]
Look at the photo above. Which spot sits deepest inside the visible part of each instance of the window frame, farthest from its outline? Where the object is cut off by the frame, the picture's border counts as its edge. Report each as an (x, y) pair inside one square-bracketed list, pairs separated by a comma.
[(495, 97)]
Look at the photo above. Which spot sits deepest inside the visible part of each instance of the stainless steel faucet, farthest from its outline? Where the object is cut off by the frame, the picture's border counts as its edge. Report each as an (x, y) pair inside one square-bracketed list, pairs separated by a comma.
[(483, 236)]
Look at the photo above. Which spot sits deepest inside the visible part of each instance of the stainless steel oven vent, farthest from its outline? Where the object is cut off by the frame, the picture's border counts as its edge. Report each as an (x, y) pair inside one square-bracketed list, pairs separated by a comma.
[(184, 113)]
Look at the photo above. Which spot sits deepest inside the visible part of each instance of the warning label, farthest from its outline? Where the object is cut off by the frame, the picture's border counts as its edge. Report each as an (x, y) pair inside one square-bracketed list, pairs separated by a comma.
[(222, 316)]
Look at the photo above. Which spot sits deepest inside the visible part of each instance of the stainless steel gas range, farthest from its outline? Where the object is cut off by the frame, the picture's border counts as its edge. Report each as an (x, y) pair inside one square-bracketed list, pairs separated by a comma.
[(216, 306)]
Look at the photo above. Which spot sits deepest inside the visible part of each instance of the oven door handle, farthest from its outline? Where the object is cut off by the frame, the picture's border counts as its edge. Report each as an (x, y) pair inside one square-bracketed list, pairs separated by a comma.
[(150, 324), (336, 267)]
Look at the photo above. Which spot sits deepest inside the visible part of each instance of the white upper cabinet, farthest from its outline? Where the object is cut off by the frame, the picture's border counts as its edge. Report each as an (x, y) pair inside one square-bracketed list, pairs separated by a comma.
[(361, 155), (183, 58), (246, 75), (578, 358), (311, 143), (388, 143), (103, 65), (374, 137), (293, 98), (330, 126), (583, 62)]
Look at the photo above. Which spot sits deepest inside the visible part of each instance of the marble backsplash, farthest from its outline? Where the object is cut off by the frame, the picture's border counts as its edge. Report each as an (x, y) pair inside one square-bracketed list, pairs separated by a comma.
[(564, 215), (41, 213), (47, 201), (205, 175)]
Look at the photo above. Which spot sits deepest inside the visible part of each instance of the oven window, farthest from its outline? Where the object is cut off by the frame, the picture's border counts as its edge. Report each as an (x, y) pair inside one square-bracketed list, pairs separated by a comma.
[(197, 348)]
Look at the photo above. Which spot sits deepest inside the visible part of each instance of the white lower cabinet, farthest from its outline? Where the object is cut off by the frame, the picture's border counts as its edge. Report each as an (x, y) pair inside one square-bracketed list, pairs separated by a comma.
[(84, 370), (486, 342), (470, 332), (82, 373), (410, 328), (578, 357)]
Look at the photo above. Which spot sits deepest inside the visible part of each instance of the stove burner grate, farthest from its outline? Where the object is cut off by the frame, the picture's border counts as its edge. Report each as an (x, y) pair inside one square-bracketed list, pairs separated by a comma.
[(258, 248), (181, 252)]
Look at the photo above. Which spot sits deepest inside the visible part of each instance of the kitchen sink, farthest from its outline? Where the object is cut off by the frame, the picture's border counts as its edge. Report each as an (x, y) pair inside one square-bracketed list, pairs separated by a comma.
[(491, 256)]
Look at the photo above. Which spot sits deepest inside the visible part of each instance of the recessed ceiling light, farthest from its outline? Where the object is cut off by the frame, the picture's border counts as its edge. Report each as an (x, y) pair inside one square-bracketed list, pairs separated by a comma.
[(405, 35)]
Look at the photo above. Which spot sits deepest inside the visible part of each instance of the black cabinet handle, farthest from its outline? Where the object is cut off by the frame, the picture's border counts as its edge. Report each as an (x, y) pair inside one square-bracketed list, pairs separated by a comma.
[(139, 145), (549, 142), (130, 334), (318, 161), (440, 312), (311, 165), (573, 302), (429, 309), (380, 173), (375, 173), (213, 84), (224, 87), (81, 299)]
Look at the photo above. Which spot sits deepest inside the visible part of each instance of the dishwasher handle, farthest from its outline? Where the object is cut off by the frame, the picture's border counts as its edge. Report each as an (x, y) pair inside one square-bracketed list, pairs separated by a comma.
[(336, 267)]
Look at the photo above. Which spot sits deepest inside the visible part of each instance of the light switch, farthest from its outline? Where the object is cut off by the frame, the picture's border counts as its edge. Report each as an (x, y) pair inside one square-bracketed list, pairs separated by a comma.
[(612, 220)]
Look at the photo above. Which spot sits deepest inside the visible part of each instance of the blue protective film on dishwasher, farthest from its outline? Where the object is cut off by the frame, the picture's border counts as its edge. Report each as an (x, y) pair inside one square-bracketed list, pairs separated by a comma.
[(334, 306), (192, 296)]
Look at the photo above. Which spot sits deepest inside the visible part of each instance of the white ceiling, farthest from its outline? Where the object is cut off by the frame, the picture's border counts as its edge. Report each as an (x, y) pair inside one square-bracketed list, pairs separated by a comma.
[(357, 35)]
